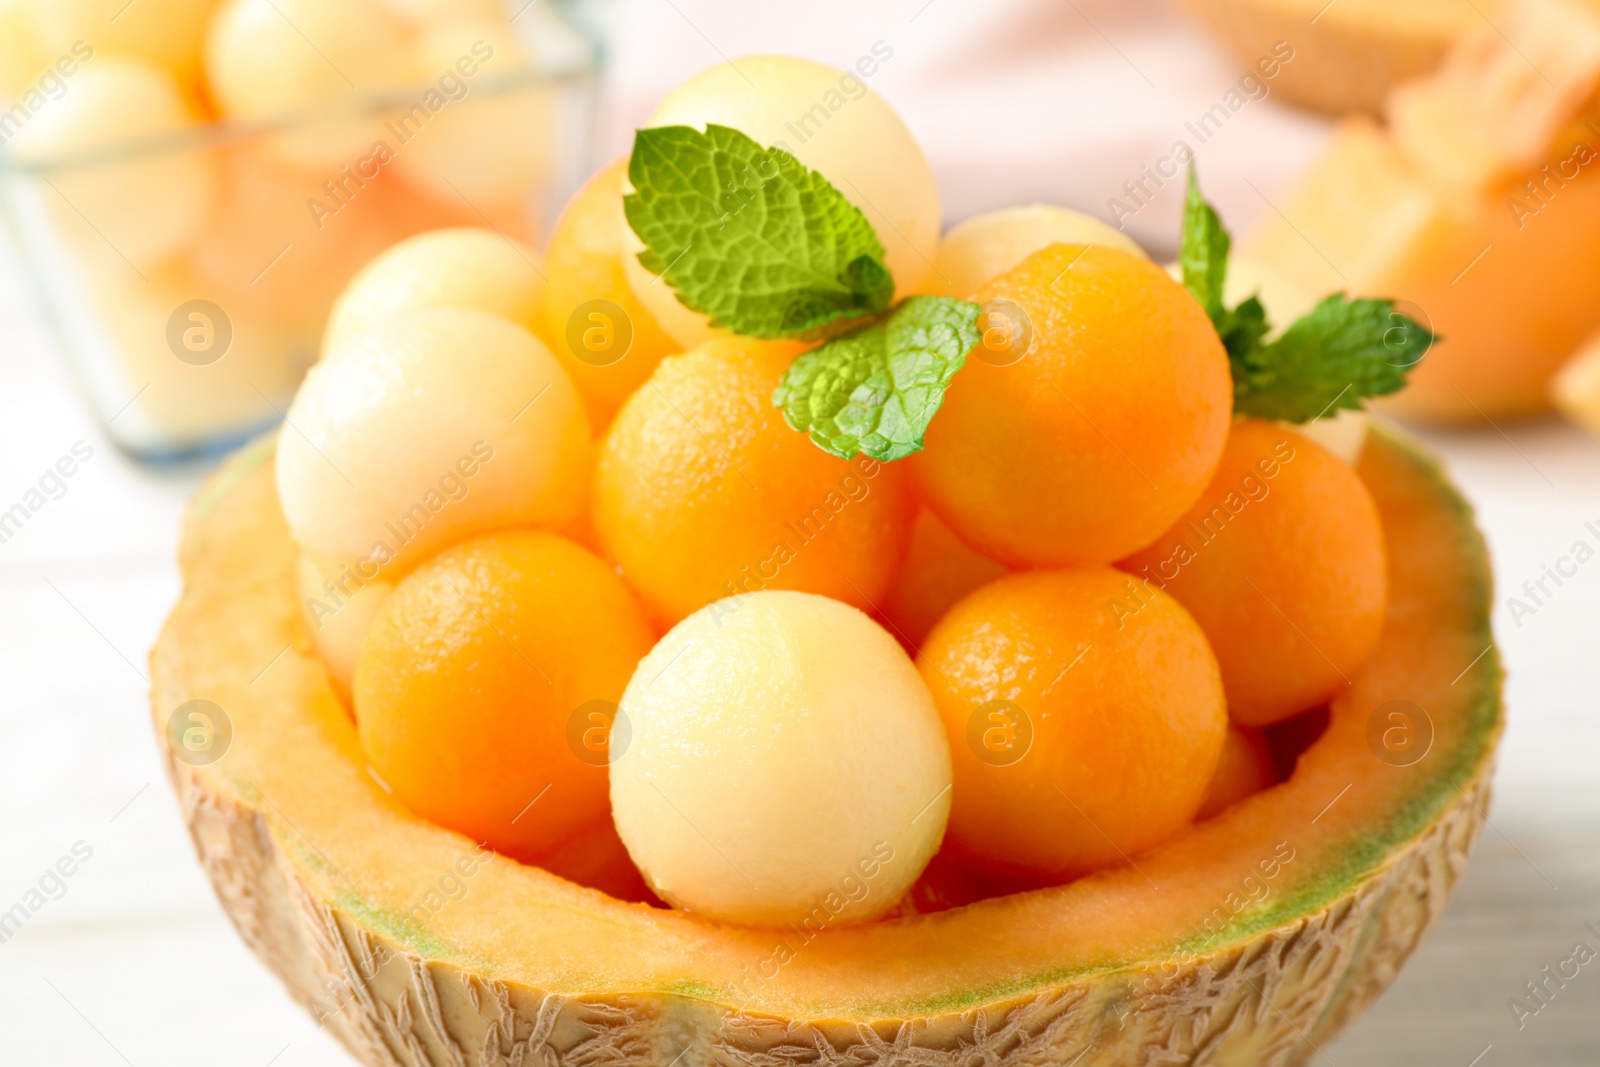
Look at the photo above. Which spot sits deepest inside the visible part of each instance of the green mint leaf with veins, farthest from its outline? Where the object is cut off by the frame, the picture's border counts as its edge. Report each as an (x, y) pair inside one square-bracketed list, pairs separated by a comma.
[(749, 237), (875, 389), (1335, 356)]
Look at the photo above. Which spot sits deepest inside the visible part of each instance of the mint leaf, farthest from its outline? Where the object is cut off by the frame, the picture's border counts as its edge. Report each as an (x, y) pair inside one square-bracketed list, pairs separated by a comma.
[(1335, 356), (1203, 250), (875, 389), (1242, 328), (749, 237)]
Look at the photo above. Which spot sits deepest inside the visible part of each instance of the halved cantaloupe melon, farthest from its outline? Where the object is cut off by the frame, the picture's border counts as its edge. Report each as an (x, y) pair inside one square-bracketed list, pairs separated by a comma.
[(1347, 53), (1247, 940), (1477, 207)]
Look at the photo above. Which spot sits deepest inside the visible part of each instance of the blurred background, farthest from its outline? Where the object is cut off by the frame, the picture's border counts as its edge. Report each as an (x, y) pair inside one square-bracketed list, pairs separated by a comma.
[(186, 185)]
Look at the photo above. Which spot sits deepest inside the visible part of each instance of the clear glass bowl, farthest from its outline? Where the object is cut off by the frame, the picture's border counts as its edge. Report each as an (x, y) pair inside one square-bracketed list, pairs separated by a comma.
[(188, 276)]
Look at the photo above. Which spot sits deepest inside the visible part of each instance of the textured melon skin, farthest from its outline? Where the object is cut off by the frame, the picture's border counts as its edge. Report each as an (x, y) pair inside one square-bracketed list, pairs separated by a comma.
[(1267, 996)]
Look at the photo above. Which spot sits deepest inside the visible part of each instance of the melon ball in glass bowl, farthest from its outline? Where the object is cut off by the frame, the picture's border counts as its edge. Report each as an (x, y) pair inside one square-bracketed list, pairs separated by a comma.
[(129, 210), (784, 763), (266, 58)]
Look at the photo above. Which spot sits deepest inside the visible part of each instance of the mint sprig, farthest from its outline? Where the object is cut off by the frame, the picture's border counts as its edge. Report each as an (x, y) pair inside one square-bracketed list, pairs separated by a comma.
[(1334, 357), (875, 389), (750, 237)]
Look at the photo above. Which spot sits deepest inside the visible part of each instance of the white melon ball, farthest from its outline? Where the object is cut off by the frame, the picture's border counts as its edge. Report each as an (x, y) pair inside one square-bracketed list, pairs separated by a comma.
[(832, 123), (440, 424), (129, 209), (492, 146), (1344, 434), (269, 57), (986, 246), (463, 268), (785, 764), (169, 33), (337, 609)]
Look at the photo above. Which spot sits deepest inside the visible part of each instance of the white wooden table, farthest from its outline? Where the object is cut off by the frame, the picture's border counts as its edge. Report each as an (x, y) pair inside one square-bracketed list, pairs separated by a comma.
[(136, 964)]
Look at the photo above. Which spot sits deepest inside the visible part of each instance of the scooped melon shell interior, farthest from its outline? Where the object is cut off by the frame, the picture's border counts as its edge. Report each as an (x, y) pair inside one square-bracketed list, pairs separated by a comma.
[(294, 758)]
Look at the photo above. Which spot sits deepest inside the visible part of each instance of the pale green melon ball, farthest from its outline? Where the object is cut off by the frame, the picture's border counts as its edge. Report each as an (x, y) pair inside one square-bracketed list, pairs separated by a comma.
[(834, 124), (441, 424), (986, 246), (462, 267), (784, 763), (337, 609)]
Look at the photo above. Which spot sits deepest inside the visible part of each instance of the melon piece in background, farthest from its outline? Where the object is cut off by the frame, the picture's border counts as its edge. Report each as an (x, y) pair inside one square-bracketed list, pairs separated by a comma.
[(1504, 97), (1497, 258), (1348, 54)]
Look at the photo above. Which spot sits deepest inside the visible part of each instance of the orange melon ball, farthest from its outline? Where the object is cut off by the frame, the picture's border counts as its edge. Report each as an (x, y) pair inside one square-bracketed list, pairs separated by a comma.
[(588, 315), (939, 569), (702, 492), (1087, 442), (1245, 769), (472, 673), (1080, 736), (1281, 560)]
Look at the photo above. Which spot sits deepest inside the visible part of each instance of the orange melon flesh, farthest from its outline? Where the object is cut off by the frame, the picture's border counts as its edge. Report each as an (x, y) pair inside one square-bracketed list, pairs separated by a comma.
[(295, 768), (1437, 211)]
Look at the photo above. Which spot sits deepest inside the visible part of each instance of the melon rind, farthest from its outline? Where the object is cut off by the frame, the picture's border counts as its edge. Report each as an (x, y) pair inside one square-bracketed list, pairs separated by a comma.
[(1267, 988)]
